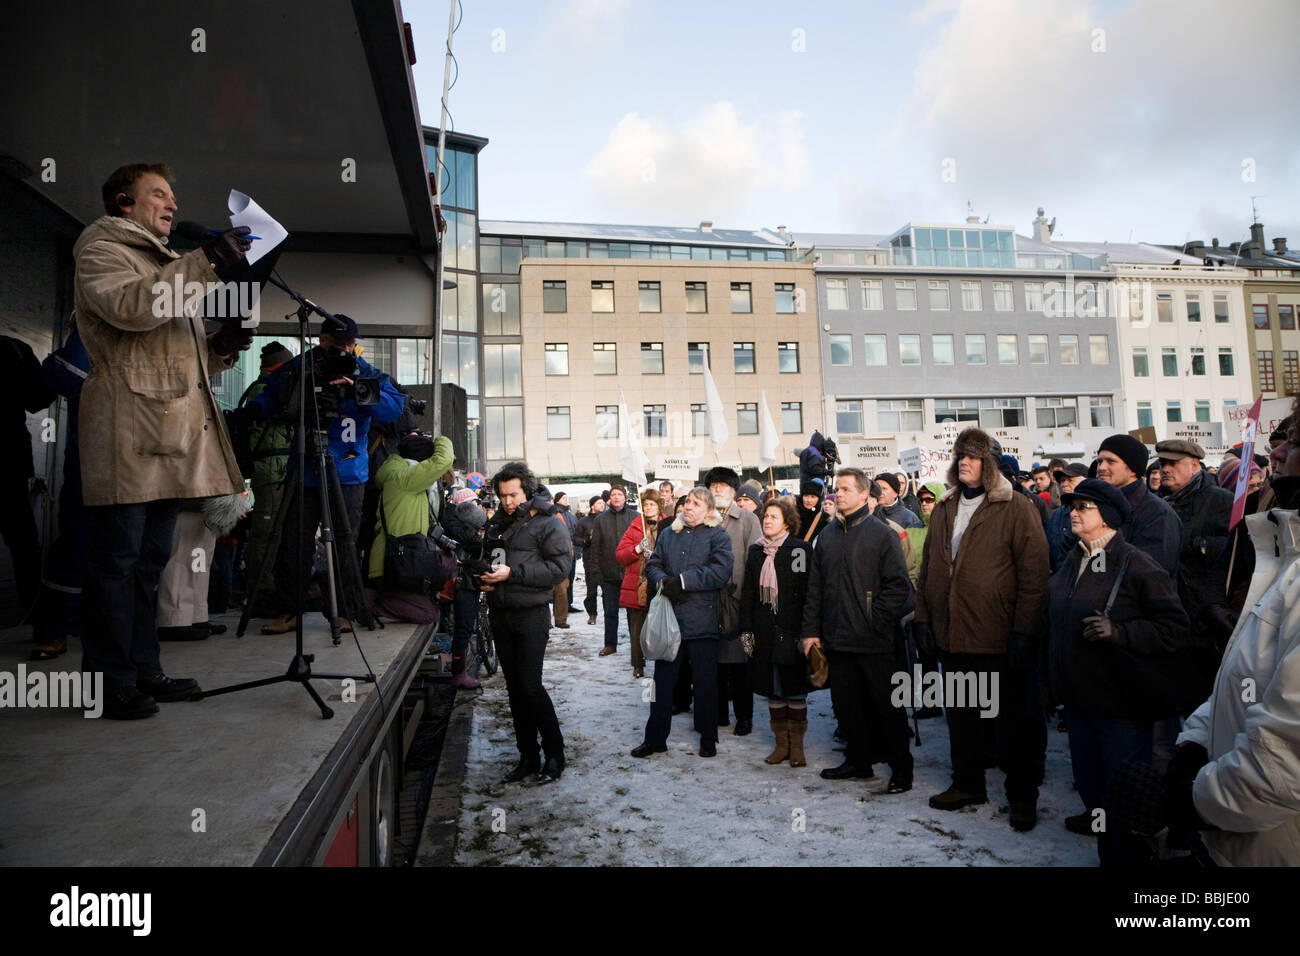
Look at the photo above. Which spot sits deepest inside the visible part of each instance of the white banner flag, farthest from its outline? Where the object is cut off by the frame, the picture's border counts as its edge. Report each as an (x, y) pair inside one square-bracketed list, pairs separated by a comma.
[(631, 457), (718, 433), (769, 440)]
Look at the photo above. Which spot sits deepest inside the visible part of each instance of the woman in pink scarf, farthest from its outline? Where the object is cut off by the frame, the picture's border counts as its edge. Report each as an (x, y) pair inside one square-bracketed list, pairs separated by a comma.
[(771, 612)]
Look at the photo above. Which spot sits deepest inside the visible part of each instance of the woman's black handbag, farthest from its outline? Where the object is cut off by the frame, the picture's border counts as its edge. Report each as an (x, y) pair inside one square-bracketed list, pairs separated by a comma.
[(414, 563)]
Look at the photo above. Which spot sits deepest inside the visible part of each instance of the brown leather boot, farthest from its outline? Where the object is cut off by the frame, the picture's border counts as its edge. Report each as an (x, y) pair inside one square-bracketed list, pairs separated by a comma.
[(780, 729), (281, 625), (798, 723)]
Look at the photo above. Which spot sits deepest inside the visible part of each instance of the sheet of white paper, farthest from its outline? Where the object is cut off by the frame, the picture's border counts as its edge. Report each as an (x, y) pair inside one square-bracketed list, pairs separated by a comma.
[(245, 212)]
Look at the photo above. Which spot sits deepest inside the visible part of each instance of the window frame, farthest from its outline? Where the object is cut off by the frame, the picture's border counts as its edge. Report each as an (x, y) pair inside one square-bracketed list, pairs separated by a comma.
[(555, 348)]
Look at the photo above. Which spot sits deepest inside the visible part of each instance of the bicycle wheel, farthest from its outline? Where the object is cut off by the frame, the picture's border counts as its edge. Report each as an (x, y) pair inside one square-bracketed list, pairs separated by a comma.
[(487, 652)]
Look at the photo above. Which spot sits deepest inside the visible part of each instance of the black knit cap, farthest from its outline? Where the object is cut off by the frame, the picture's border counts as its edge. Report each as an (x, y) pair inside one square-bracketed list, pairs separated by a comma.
[(890, 479), (1112, 503), (1128, 450)]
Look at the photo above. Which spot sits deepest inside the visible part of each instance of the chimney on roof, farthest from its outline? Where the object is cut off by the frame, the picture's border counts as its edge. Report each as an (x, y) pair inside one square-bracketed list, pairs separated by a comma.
[(1257, 234), (1235, 247), (1215, 242), (781, 231), (1042, 228), (1279, 246), (706, 226), (1195, 248)]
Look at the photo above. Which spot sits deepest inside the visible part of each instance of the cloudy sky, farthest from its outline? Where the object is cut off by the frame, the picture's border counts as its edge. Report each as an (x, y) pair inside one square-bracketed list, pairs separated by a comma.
[(1149, 120)]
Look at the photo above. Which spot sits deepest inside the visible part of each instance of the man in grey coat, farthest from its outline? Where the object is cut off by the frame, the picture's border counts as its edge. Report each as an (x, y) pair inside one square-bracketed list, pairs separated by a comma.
[(743, 528)]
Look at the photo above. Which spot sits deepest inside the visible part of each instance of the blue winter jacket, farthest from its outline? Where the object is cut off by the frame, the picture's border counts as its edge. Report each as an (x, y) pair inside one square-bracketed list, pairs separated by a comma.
[(702, 557), (351, 458)]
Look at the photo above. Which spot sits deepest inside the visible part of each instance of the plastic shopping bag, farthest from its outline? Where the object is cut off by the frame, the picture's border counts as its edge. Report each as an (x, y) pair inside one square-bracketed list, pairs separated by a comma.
[(661, 635)]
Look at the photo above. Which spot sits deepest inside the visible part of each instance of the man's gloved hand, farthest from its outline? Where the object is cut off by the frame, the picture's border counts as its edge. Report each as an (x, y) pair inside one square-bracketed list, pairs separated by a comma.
[(227, 250), (1100, 628), (1180, 810), (673, 590), (924, 638), (1022, 653), (230, 339)]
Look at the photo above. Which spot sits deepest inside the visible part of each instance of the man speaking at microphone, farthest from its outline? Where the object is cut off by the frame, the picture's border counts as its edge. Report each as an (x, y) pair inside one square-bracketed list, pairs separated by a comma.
[(151, 431)]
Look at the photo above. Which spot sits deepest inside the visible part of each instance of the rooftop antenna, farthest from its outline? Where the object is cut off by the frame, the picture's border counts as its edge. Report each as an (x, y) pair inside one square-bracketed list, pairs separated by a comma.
[(1254, 212)]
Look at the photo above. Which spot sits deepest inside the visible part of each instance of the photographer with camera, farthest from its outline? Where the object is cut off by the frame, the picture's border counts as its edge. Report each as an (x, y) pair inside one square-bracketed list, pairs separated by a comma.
[(350, 394)]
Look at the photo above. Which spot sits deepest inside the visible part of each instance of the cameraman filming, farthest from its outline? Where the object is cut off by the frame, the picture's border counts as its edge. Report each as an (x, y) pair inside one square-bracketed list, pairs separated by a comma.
[(350, 394)]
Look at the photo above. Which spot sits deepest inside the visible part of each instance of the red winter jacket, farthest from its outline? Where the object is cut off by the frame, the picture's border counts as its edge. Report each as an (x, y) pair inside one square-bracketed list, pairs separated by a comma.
[(631, 561)]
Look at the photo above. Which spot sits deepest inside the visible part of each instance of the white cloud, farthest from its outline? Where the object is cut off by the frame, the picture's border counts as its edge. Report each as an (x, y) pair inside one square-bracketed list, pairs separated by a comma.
[(712, 165)]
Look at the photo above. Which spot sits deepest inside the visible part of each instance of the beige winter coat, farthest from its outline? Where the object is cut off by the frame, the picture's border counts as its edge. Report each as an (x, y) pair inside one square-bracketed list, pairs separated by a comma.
[(150, 428)]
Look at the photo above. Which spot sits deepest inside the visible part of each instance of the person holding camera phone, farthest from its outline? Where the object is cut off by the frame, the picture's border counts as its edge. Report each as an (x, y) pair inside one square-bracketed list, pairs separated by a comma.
[(351, 394)]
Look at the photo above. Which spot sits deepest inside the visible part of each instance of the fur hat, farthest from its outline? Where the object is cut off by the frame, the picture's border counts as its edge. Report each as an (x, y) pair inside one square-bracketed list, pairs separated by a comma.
[(976, 443), (721, 475), (812, 486)]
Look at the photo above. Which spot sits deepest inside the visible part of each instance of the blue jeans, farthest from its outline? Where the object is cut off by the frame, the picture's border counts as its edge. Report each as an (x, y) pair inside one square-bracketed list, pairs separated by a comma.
[(129, 546)]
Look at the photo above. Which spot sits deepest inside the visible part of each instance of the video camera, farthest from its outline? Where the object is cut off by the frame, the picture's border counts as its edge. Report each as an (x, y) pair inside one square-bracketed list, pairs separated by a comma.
[(329, 365)]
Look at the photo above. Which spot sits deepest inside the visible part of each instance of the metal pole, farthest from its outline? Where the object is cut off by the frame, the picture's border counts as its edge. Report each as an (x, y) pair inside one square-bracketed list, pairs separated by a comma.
[(440, 258)]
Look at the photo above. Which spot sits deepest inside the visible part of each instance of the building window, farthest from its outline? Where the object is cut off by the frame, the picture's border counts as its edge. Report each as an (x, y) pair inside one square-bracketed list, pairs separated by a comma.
[(647, 296), (939, 290), (503, 431), (1055, 412), (976, 351), (557, 358), (792, 418), (1264, 360), (841, 350), (1008, 350), (605, 358), (848, 418), (652, 358), (554, 298), (500, 308), (699, 420), (875, 349), (1038, 350), (1145, 418), (905, 295), (1198, 361), (1290, 373), (1099, 350), (1286, 317), (656, 420), (787, 355), (741, 301), (1173, 411), (900, 415), (743, 356), (501, 372), (697, 297), (1260, 312), (1193, 308), (956, 410), (784, 298), (1202, 410), (1225, 361), (941, 349), (971, 297), (1033, 297), (557, 422), (1164, 307), (460, 362), (837, 295), (747, 418), (909, 349), (1069, 349), (696, 354), (602, 296), (1102, 413), (1003, 297), (1001, 412), (1169, 362), (873, 295), (1221, 307), (1140, 367)]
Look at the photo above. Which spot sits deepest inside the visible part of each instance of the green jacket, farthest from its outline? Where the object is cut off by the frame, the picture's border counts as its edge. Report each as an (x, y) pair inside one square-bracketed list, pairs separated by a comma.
[(404, 496), (917, 535), (271, 441)]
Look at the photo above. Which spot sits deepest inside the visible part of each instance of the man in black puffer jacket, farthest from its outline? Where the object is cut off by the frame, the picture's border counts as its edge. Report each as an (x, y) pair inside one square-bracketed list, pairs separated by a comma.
[(857, 587), (530, 554), (1204, 510)]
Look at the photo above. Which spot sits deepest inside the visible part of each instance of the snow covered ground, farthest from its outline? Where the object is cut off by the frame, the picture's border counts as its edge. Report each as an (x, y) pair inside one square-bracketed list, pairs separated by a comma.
[(677, 808)]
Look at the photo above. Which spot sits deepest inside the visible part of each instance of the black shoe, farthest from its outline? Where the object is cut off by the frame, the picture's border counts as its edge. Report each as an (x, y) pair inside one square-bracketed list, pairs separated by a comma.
[(646, 750), (1024, 816), (166, 689), (743, 727), (724, 722), (708, 748), (839, 735), (551, 770), (211, 627), (896, 785), (1081, 823), (127, 703), (525, 768), (574, 610), (846, 770), (182, 634)]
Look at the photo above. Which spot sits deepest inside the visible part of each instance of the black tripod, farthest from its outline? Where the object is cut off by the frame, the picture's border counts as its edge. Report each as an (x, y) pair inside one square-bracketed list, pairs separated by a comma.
[(300, 667)]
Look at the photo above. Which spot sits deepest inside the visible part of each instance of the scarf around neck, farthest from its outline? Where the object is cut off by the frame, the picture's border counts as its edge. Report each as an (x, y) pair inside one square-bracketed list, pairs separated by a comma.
[(767, 587)]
